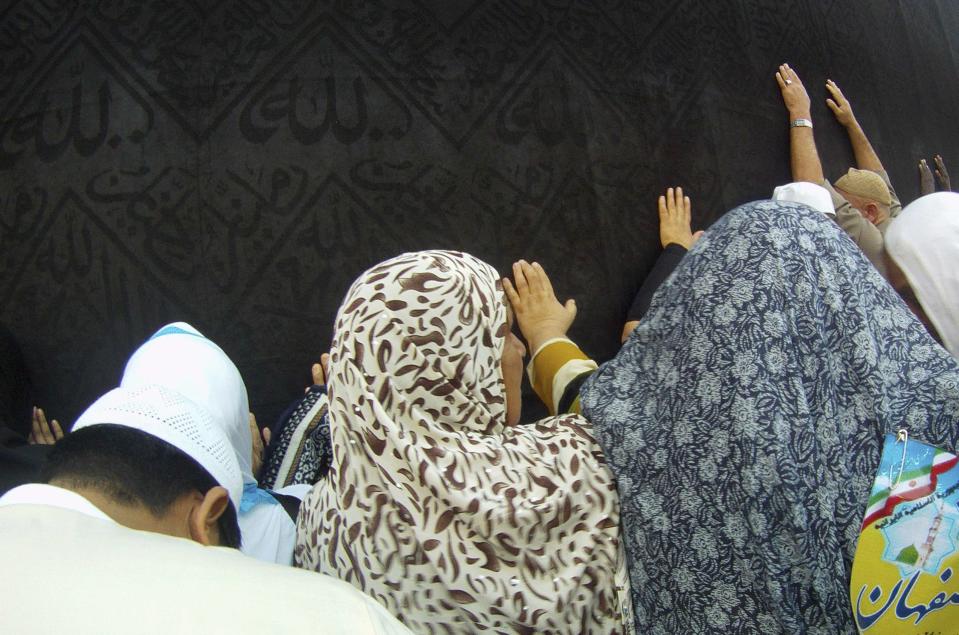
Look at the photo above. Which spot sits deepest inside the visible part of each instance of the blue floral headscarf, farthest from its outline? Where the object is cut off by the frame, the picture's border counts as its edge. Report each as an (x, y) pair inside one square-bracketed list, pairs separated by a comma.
[(744, 420)]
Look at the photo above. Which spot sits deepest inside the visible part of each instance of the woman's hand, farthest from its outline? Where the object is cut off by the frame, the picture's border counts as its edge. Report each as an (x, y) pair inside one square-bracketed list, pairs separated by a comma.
[(675, 216), (540, 315)]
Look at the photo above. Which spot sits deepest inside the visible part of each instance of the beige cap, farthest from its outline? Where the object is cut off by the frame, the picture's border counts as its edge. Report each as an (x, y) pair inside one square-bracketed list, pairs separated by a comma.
[(865, 184)]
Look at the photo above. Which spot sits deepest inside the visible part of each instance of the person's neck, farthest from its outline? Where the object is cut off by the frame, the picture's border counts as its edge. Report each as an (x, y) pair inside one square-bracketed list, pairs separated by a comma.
[(134, 516)]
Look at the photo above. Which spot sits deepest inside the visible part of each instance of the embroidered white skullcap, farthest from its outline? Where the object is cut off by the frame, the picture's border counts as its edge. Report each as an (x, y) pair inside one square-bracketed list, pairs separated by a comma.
[(171, 417), (810, 194)]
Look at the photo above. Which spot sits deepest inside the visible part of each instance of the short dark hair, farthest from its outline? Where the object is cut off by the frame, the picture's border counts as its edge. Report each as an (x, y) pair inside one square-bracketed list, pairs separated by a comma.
[(132, 467)]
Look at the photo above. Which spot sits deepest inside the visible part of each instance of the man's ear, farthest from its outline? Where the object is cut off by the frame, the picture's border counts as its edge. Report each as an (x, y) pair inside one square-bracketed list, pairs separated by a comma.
[(204, 516), (871, 212)]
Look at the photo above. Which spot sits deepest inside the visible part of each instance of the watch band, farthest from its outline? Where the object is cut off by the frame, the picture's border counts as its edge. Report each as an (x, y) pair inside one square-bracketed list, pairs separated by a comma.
[(800, 123)]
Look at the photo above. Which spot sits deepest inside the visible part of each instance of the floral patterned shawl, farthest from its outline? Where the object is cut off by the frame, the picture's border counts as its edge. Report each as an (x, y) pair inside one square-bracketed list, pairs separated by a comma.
[(453, 521), (744, 420)]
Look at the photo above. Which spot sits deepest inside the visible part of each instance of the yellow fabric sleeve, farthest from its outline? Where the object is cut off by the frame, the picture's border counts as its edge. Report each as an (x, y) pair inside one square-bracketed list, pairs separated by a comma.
[(553, 367)]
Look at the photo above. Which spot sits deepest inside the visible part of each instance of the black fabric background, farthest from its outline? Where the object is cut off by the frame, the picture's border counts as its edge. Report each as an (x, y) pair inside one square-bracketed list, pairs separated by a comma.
[(236, 164)]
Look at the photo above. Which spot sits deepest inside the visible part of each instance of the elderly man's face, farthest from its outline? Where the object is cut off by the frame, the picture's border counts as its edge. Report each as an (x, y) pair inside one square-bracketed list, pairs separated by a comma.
[(873, 211)]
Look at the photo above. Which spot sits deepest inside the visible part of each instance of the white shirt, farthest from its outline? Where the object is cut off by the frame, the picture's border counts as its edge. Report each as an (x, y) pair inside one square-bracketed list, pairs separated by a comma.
[(69, 568), (40, 494)]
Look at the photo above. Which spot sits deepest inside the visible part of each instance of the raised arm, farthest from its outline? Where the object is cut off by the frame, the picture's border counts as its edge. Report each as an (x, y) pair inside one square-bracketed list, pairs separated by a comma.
[(43, 433), (558, 367), (866, 157), (541, 317), (942, 175), (803, 156), (926, 184), (677, 237)]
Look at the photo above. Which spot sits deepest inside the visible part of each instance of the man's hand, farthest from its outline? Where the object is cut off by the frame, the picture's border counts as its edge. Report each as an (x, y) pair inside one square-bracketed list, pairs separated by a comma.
[(42, 433), (839, 105), (803, 157), (675, 214), (866, 157), (942, 175), (794, 93), (926, 185), (540, 315)]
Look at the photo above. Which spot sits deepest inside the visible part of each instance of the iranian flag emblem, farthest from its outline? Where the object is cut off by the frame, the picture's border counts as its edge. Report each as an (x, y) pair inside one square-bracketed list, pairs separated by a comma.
[(911, 486)]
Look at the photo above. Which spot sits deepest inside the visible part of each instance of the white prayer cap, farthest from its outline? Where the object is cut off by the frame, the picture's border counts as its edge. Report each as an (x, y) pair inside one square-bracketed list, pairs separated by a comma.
[(815, 196), (924, 241), (171, 417)]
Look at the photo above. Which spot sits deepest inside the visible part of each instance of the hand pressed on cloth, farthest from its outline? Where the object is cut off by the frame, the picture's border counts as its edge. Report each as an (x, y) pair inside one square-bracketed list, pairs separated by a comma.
[(41, 432), (926, 184), (942, 175), (540, 315), (261, 439), (320, 371), (839, 105), (675, 216), (794, 93)]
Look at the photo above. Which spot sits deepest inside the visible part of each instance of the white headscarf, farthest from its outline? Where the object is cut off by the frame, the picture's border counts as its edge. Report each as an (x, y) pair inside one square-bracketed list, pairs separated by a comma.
[(433, 506), (924, 241), (179, 357)]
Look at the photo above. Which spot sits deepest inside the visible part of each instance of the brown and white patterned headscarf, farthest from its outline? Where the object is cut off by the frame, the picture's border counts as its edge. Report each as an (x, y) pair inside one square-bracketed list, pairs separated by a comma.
[(434, 507)]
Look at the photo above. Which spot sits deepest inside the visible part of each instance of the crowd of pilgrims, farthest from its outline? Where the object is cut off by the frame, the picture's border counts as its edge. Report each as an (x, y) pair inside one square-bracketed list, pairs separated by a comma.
[(713, 477)]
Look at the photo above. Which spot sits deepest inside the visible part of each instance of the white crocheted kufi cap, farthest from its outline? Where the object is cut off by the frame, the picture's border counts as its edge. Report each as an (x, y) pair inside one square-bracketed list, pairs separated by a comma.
[(171, 417)]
